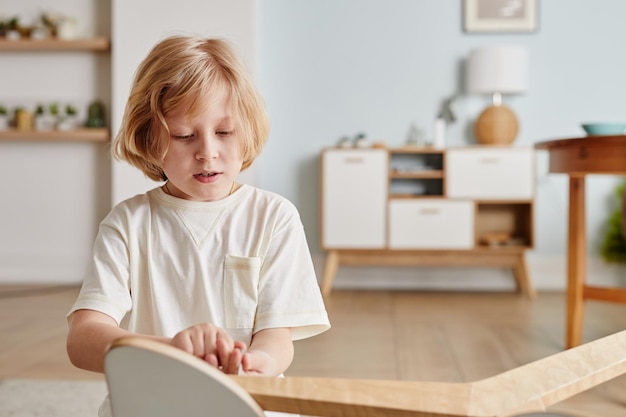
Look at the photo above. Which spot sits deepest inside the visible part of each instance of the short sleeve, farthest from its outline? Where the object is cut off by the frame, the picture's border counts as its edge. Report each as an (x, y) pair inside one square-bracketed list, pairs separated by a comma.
[(289, 294), (106, 285)]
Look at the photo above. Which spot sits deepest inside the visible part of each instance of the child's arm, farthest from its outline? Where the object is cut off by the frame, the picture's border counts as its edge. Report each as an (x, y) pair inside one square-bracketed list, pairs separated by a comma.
[(91, 332), (270, 353)]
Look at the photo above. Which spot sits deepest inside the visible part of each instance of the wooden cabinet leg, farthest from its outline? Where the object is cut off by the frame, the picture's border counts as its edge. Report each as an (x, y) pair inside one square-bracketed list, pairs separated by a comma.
[(330, 270), (576, 261), (522, 279)]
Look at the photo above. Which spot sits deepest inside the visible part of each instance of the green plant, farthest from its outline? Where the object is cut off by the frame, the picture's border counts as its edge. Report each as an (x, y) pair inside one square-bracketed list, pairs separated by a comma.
[(3, 110), (39, 110), (70, 110), (54, 109), (613, 248), (14, 23)]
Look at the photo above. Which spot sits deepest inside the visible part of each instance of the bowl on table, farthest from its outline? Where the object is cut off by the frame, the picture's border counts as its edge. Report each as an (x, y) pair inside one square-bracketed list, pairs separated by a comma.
[(595, 129)]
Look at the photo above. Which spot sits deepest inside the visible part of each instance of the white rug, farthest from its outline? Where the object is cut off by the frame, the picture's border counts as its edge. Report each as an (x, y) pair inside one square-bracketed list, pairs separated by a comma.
[(39, 398)]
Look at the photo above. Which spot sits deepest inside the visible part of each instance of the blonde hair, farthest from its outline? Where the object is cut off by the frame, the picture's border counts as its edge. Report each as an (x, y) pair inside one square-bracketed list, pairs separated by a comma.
[(178, 71)]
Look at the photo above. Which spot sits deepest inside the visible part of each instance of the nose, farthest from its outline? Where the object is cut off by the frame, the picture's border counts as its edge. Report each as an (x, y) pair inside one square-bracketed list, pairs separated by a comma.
[(207, 148)]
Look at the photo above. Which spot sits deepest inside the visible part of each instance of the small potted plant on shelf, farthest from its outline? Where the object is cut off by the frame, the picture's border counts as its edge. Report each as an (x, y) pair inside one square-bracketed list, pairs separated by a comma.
[(49, 21), (4, 118), (4, 26), (43, 120), (69, 121), (15, 30), (53, 110), (95, 113)]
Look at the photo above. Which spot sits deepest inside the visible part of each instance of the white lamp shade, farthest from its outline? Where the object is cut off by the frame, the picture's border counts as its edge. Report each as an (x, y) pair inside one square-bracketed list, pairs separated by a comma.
[(498, 69)]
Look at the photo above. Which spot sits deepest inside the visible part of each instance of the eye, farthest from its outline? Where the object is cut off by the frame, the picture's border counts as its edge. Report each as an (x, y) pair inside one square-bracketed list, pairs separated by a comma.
[(182, 137), (224, 132)]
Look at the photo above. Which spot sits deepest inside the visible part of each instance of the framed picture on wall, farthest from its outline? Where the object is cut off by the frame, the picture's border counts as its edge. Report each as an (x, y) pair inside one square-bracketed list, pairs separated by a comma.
[(500, 15)]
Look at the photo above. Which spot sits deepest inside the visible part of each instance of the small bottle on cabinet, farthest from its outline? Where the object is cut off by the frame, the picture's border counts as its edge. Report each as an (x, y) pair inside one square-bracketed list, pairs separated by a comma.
[(439, 133)]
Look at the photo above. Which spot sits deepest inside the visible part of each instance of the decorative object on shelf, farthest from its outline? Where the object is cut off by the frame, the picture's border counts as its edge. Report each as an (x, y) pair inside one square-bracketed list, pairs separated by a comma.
[(24, 119), (415, 136), (13, 30), (95, 114), (500, 16), (595, 129), (48, 25), (439, 132), (43, 119), (497, 70), (344, 142), (360, 141), (49, 21), (69, 120), (67, 28), (448, 111), (4, 118)]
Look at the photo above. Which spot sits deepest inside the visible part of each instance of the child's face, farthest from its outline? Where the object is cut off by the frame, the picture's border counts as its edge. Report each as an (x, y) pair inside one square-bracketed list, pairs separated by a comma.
[(204, 155)]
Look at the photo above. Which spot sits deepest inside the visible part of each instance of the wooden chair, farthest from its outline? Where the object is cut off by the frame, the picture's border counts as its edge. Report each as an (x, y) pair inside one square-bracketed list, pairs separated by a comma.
[(151, 379), (148, 378)]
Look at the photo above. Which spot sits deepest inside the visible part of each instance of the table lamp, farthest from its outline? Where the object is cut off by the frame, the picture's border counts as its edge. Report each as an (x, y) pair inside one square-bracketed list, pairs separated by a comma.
[(497, 70)]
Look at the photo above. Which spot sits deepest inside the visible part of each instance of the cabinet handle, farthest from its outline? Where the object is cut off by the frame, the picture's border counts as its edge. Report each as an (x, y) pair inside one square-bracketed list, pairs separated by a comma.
[(429, 211), (489, 160), (353, 160)]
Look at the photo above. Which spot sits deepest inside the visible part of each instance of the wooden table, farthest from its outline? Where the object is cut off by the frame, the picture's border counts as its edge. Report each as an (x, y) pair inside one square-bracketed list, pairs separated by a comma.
[(578, 157)]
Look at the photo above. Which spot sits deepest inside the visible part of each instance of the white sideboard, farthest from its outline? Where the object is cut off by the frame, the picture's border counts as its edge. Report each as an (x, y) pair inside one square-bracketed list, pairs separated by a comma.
[(465, 206)]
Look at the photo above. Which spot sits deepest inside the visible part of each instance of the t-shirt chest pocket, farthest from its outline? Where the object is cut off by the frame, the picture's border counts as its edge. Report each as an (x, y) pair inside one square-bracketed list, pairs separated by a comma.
[(241, 290)]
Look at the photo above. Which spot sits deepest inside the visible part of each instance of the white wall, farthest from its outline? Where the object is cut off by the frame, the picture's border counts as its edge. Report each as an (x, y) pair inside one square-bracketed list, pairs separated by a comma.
[(233, 20), (327, 68), (52, 194), (55, 194), (338, 67)]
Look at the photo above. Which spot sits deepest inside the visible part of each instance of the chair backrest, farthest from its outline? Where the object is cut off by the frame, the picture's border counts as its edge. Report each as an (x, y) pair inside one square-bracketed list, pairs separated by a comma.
[(151, 379)]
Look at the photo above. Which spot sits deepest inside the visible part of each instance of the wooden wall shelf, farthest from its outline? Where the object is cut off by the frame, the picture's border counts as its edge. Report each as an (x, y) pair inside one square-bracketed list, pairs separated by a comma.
[(74, 135), (96, 44)]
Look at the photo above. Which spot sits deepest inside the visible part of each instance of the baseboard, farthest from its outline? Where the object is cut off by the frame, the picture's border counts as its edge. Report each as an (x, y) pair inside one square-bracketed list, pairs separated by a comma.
[(547, 273)]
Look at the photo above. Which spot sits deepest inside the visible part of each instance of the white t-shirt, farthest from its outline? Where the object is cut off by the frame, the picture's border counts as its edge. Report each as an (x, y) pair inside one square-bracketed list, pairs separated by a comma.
[(162, 264)]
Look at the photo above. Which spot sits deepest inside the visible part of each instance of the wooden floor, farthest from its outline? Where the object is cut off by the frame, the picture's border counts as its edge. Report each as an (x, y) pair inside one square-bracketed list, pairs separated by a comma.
[(428, 336)]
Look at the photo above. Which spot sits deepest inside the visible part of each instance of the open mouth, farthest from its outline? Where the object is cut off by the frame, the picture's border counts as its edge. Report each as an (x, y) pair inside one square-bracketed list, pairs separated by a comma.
[(207, 174)]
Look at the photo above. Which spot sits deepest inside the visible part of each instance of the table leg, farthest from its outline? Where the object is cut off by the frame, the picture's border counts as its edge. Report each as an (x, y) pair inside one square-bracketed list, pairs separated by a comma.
[(330, 270), (520, 271), (576, 261)]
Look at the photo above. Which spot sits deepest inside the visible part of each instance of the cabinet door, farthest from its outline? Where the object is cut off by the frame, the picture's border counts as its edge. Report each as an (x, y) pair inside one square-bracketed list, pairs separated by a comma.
[(354, 197), (431, 224), (490, 174)]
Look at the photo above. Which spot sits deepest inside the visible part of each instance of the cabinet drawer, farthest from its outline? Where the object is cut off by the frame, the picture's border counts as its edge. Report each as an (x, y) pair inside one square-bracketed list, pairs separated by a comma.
[(431, 224), (490, 174)]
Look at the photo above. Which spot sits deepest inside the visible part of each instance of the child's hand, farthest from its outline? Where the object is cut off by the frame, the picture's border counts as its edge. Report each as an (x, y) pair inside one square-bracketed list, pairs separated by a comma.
[(234, 356), (212, 344), (258, 362)]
